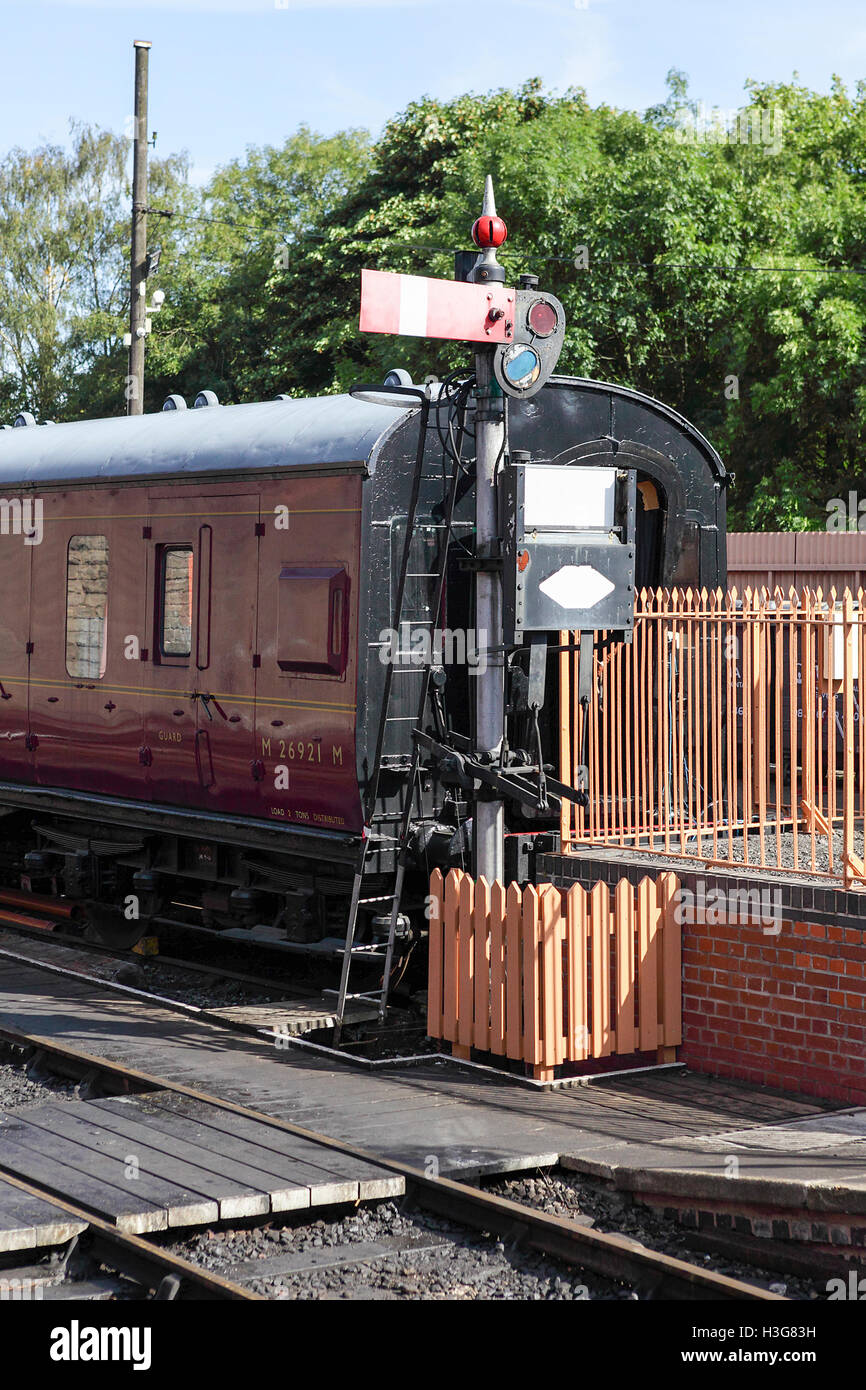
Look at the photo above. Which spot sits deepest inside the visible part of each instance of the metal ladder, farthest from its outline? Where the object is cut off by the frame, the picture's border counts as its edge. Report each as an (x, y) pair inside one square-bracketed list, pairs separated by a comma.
[(351, 951)]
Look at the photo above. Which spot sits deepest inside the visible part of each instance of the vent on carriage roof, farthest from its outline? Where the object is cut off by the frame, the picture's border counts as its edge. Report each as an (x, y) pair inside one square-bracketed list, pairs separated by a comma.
[(205, 398), (174, 403)]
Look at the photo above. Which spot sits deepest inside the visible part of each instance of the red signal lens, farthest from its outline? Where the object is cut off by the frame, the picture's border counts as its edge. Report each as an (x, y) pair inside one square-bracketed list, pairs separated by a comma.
[(542, 318)]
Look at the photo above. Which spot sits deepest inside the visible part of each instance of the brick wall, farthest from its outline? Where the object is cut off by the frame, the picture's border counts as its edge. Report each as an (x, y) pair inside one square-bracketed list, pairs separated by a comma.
[(786, 1011)]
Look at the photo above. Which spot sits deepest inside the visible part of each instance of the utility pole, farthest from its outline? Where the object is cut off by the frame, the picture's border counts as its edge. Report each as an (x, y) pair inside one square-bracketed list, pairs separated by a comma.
[(138, 255), (488, 232)]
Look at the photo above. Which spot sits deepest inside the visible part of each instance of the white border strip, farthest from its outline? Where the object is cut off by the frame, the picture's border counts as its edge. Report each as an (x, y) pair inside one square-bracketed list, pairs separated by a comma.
[(413, 306)]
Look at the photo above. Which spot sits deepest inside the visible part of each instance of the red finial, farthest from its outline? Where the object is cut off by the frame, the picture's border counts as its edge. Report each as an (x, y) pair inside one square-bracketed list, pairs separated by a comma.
[(489, 231)]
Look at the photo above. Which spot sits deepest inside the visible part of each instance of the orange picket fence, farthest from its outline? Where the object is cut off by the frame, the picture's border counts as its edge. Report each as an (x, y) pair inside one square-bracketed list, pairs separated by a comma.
[(549, 977), (728, 730)]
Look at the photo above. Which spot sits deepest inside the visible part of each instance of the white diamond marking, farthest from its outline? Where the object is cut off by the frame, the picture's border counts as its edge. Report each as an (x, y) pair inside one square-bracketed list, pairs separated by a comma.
[(576, 586)]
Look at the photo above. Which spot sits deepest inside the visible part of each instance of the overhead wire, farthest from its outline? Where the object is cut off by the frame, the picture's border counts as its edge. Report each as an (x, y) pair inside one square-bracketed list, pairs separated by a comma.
[(738, 268)]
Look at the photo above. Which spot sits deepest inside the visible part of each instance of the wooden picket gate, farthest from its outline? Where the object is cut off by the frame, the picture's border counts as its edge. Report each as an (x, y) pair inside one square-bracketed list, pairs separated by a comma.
[(550, 977)]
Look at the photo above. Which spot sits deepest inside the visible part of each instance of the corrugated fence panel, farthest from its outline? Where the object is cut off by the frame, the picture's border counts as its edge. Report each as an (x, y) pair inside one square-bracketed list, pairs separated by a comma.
[(797, 559)]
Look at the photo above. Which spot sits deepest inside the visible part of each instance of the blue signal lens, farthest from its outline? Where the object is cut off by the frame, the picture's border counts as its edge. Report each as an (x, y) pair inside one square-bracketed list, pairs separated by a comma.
[(523, 368)]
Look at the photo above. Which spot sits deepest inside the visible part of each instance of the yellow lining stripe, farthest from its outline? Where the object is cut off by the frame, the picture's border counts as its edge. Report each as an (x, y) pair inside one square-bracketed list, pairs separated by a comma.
[(172, 516), (177, 694)]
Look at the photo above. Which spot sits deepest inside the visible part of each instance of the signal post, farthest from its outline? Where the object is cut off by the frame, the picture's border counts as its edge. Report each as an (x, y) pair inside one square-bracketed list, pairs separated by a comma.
[(489, 232), (517, 335)]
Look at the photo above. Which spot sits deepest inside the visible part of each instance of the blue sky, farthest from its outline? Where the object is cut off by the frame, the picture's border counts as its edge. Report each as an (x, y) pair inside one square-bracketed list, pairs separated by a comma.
[(229, 73)]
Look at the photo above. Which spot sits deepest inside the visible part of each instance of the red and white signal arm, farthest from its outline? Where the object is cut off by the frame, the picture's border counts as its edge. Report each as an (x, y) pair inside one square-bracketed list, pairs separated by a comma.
[(420, 307)]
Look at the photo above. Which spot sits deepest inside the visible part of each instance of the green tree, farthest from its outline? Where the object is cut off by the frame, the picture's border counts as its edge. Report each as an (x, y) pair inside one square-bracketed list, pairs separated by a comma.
[(64, 291), (217, 327), (722, 267), (692, 238)]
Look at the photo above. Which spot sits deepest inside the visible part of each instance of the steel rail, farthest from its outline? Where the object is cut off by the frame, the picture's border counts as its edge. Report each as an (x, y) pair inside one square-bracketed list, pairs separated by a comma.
[(145, 1263), (36, 930), (613, 1256)]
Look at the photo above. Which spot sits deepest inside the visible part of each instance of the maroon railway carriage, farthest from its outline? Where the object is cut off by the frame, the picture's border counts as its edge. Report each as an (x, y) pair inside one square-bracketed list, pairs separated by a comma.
[(190, 637)]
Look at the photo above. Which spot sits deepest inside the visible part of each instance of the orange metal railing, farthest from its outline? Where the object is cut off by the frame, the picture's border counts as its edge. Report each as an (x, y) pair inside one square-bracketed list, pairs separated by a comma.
[(548, 977), (728, 730)]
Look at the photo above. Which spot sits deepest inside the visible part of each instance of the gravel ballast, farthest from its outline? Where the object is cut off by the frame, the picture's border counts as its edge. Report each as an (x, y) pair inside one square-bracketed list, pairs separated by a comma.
[(22, 1087), (463, 1265), (563, 1193)]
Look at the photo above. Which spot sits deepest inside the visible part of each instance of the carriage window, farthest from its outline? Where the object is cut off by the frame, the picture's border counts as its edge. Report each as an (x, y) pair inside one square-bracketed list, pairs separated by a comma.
[(175, 600), (86, 606), (313, 620)]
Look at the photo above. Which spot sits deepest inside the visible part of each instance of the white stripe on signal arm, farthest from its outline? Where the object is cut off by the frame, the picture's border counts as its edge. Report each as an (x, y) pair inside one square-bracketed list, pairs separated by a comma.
[(413, 306)]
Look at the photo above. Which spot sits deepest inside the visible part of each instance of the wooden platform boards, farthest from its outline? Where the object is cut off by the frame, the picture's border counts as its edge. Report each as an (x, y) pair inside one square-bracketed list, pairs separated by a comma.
[(26, 1222), (439, 1118), (303, 1013), (146, 1163)]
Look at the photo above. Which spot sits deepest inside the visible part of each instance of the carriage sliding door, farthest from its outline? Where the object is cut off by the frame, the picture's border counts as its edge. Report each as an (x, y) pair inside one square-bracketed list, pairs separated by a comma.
[(87, 597), (200, 710)]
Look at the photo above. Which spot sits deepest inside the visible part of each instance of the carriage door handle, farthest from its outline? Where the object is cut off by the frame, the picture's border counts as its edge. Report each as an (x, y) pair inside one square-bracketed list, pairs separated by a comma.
[(207, 701)]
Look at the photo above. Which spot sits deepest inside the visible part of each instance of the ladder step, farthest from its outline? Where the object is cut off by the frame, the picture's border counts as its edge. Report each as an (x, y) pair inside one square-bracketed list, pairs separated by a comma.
[(374, 998), (335, 946), (402, 666)]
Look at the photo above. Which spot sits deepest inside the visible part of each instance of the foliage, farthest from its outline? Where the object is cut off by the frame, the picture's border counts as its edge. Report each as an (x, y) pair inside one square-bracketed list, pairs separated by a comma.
[(217, 327), (64, 218), (725, 265)]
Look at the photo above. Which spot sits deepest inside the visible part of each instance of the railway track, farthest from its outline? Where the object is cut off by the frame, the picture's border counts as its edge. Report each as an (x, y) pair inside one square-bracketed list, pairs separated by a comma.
[(211, 985), (147, 1268), (56, 961), (616, 1258), (250, 1004), (43, 918), (272, 988)]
